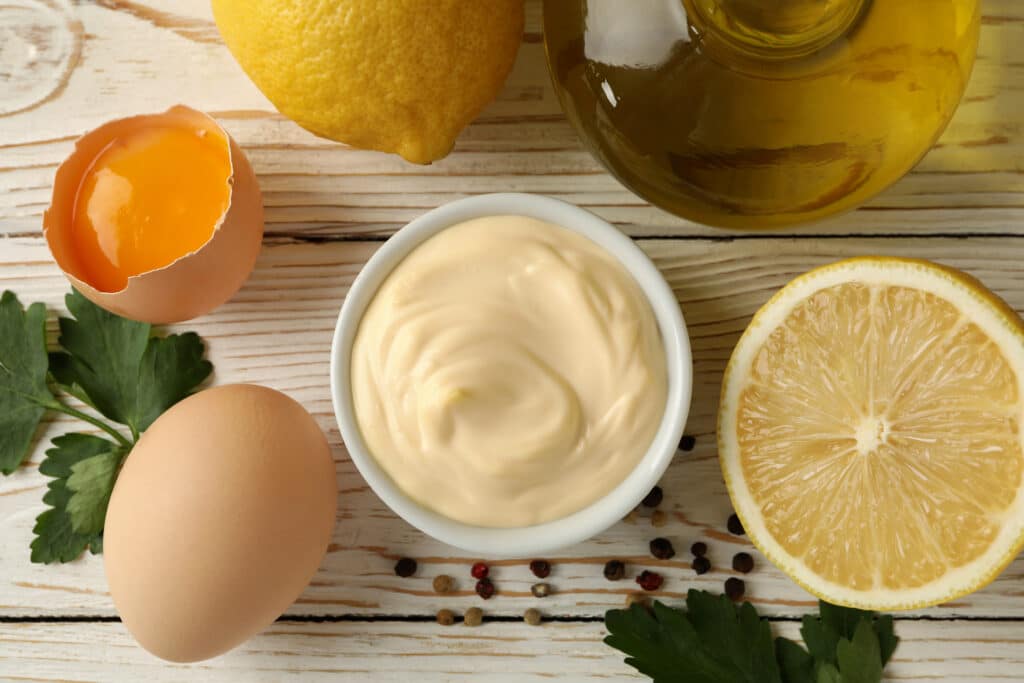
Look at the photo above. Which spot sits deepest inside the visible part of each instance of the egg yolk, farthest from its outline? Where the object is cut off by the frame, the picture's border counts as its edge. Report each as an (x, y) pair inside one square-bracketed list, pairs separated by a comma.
[(150, 197)]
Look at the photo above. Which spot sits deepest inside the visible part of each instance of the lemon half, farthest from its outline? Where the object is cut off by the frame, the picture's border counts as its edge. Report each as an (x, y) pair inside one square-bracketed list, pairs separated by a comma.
[(869, 432)]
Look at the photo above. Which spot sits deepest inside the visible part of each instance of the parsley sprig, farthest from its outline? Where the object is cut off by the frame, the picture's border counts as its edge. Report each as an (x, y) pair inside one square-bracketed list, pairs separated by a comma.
[(714, 641), (119, 370)]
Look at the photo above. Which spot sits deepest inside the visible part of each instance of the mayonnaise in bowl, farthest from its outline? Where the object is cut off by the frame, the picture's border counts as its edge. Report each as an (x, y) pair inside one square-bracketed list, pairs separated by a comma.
[(508, 372)]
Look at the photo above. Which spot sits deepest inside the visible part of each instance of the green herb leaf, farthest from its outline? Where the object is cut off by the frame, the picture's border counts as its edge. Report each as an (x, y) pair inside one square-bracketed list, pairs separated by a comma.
[(713, 643), (887, 640), (91, 483), (56, 539), (796, 663), (860, 659), (829, 674), (716, 642), (114, 365), (24, 396)]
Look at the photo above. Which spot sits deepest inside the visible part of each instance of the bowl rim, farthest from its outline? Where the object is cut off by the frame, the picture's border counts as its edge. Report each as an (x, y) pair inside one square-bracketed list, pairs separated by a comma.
[(601, 514)]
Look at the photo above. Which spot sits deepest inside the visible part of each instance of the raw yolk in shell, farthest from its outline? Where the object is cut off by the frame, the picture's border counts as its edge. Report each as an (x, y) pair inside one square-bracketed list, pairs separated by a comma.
[(150, 197)]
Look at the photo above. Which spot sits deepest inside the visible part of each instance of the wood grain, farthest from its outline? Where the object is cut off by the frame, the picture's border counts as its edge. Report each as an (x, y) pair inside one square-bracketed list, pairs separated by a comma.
[(68, 66), (953, 652), (277, 332), (145, 55)]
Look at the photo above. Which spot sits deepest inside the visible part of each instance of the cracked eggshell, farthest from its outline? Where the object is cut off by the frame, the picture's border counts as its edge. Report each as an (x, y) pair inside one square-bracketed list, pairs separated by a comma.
[(193, 284)]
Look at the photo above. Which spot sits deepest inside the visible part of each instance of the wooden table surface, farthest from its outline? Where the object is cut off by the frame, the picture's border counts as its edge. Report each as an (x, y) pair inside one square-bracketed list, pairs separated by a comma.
[(66, 67)]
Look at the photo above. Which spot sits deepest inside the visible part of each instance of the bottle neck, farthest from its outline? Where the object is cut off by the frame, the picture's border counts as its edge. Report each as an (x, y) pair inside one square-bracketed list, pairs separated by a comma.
[(777, 28)]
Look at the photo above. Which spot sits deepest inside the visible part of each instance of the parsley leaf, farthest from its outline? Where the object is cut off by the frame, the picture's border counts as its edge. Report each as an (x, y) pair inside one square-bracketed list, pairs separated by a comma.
[(24, 395), (860, 659), (716, 642), (91, 483), (113, 365), (117, 367), (713, 643), (56, 539)]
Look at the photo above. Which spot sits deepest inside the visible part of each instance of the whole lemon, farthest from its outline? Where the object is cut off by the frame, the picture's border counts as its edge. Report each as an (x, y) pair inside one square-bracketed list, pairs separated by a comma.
[(403, 76)]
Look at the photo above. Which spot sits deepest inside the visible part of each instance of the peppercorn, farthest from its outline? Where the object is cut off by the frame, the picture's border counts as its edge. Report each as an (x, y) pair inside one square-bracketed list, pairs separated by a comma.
[(541, 590), (650, 581), (687, 443), (614, 570), (662, 549), (474, 617), (699, 549), (405, 567), (653, 499), (485, 588), (734, 525), (532, 617), (636, 599), (445, 617), (659, 518), (442, 583), (701, 565), (743, 562), (480, 570), (540, 568), (735, 588)]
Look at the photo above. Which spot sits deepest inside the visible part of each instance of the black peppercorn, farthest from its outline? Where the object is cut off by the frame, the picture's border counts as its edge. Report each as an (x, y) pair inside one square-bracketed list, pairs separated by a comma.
[(662, 549), (699, 549), (540, 568), (687, 443), (405, 567), (654, 498), (743, 562), (701, 565), (734, 525), (614, 570), (735, 588)]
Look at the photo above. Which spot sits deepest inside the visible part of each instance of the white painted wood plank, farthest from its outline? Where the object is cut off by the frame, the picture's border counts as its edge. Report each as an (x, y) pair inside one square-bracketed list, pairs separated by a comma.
[(145, 55), (277, 332), (965, 652)]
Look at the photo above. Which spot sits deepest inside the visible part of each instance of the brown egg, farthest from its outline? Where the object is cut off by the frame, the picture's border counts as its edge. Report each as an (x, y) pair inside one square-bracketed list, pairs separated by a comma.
[(218, 521), (156, 217)]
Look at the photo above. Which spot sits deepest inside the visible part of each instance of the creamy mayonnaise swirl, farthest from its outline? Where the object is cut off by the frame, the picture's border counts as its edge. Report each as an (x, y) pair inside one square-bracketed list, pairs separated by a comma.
[(508, 372)]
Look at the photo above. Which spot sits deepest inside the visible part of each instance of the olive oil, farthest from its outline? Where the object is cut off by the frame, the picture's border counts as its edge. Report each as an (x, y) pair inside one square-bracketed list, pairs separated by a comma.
[(760, 113)]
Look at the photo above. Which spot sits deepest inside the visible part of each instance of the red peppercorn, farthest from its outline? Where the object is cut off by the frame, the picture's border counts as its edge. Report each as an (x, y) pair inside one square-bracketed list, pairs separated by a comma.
[(540, 568), (480, 570), (650, 581), (485, 588)]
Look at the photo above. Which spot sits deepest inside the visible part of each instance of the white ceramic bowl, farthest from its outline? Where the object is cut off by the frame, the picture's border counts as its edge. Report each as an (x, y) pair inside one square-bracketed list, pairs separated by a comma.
[(541, 538)]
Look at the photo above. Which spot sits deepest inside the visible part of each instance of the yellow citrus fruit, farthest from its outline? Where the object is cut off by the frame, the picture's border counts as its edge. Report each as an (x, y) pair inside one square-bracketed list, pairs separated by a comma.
[(403, 76), (870, 432)]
